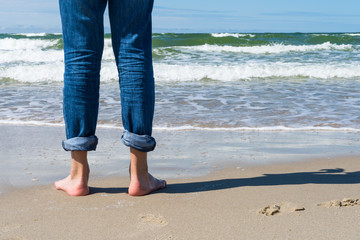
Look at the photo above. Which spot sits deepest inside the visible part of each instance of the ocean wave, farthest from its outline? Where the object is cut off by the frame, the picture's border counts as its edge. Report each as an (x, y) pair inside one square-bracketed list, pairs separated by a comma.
[(235, 35), (9, 44), (194, 72), (51, 72), (43, 34), (31, 56), (270, 49), (32, 51), (352, 34)]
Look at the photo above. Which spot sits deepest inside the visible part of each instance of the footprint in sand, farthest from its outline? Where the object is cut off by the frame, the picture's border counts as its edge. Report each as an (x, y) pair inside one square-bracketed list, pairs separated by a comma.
[(280, 208), (346, 202), (152, 219)]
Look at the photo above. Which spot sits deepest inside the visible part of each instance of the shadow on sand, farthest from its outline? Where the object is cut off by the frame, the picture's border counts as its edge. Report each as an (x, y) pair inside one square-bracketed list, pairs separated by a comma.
[(109, 190), (324, 176)]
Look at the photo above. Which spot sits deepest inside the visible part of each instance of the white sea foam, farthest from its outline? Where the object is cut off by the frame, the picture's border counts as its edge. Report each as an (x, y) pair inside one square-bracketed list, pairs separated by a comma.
[(193, 72), (235, 35), (30, 123), (260, 129), (352, 34), (32, 51), (49, 72), (320, 34), (270, 49), (194, 128), (32, 34), (9, 44), (32, 56)]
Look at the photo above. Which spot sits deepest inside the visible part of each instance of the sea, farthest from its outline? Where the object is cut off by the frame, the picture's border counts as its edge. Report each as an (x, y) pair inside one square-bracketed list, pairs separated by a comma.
[(207, 81)]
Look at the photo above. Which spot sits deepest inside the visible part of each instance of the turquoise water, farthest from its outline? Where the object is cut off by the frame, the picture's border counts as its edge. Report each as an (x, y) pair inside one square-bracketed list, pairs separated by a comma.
[(216, 81)]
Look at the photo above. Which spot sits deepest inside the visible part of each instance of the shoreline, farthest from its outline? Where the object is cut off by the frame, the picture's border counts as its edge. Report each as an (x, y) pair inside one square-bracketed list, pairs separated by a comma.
[(190, 128), (32, 155)]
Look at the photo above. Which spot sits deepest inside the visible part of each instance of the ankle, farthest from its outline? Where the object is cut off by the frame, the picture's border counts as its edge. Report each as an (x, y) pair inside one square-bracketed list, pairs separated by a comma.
[(139, 177), (79, 174), (79, 166), (138, 163)]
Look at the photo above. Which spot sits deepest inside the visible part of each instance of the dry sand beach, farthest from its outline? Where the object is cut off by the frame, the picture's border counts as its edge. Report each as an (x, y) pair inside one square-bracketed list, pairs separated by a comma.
[(304, 188)]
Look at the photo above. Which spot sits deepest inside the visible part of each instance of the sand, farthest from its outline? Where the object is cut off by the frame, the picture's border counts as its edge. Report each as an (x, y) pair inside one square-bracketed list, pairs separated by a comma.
[(223, 205), (315, 198)]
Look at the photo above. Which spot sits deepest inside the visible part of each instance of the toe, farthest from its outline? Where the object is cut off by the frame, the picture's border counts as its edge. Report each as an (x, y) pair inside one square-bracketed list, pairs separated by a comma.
[(163, 184), (57, 185)]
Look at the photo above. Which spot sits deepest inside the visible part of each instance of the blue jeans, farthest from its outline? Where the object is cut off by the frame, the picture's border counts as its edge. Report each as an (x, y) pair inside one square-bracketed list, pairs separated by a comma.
[(83, 36)]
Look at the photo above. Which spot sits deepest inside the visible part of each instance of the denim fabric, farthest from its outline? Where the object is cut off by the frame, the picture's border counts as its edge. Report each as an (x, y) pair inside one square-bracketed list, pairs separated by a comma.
[(144, 143), (80, 143), (83, 37)]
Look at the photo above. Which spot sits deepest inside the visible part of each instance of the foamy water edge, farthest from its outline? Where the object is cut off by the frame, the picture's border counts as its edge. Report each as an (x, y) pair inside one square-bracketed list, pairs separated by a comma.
[(194, 128)]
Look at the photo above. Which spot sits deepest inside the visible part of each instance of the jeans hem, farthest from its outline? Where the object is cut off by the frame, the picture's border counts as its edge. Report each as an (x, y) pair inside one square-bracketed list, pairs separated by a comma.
[(80, 144), (143, 143)]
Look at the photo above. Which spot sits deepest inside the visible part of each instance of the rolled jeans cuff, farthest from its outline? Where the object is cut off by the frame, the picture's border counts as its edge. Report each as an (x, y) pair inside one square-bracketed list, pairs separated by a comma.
[(143, 143), (80, 144)]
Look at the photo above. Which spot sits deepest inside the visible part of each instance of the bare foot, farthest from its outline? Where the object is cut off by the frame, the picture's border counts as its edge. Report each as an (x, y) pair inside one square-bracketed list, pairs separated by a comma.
[(76, 184), (140, 186), (73, 187)]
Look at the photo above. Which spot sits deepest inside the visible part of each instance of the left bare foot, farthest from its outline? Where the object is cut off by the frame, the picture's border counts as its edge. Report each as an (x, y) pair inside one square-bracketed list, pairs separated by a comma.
[(73, 187)]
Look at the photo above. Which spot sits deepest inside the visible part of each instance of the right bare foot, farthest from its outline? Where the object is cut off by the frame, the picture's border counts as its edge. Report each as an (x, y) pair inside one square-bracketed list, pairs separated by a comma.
[(140, 186), (73, 187)]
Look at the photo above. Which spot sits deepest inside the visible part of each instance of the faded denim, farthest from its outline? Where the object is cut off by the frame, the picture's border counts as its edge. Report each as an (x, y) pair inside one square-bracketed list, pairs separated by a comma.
[(83, 37)]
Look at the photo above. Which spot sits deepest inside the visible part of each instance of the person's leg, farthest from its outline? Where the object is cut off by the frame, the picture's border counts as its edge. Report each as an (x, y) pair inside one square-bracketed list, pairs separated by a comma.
[(131, 38), (83, 38)]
